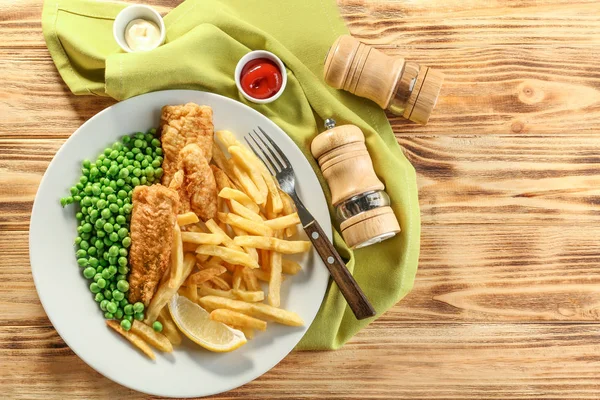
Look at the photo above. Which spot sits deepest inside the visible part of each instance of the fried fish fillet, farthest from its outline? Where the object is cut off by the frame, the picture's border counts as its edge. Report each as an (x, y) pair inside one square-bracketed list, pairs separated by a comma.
[(179, 126), (153, 218), (198, 183)]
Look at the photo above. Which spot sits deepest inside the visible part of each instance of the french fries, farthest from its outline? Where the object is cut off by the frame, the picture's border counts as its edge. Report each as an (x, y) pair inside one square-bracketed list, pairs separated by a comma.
[(216, 229), (290, 267), (288, 208), (156, 339), (222, 162), (250, 280), (237, 277), (176, 256), (206, 274), (228, 255), (132, 337), (237, 319), (274, 244), (202, 238), (241, 158), (239, 196), (220, 283), (245, 182), (262, 275), (248, 333), (257, 228), (169, 327), (167, 289), (249, 297), (258, 310), (187, 218), (242, 211), (275, 279), (283, 222), (205, 290)]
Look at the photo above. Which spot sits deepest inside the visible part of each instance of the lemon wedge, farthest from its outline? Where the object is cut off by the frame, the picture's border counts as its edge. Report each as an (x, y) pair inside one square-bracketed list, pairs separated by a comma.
[(195, 323)]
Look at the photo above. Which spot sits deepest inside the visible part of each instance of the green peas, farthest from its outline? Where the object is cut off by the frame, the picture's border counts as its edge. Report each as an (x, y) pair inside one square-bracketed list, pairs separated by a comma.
[(103, 304), (119, 314), (101, 204), (93, 262), (144, 164), (99, 297), (87, 227), (105, 214), (83, 262), (155, 163), (94, 288), (127, 208), (106, 274), (86, 201), (139, 316), (112, 260), (121, 277), (138, 143), (84, 245), (114, 208), (122, 262), (120, 182), (126, 242), (108, 228), (79, 216), (158, 172), (113, 270), (101, 283), (99, 244), (137, 172), (86, 235), (89, 272), (158, 152), (123, 302), (113, 251), (108, 190), (94, 214), (80, 253), (92, 251), (143, 180), (122, 194), (107, 294), (113, 154), (113, 237), (128, 318), (157, 326), (155, 142), (122, 286), (123, 173), (135, 181), (111, 307), (121, 220), (108, 315), (97, 276), (126, 324), (83, 180), (123, 252), (128, 309), (118, 295), (138, 307), (103, 169), (123, 232)]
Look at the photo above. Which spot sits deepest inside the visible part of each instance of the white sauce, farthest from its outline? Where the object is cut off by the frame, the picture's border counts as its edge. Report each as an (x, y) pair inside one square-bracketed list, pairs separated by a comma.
[(142, 35)]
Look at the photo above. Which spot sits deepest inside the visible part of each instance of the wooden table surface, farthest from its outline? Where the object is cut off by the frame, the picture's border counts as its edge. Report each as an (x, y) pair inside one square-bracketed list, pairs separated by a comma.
[(507, 298)]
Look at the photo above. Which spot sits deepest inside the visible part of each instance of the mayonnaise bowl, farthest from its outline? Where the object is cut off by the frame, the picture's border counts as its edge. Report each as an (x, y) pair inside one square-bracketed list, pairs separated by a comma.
[(135, 28)]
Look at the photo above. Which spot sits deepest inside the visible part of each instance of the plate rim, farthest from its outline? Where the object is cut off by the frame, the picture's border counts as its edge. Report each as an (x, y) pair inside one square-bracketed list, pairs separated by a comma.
[(36, 205)]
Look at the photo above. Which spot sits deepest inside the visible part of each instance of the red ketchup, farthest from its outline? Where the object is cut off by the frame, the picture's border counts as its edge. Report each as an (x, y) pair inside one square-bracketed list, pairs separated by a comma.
[(261, 78)]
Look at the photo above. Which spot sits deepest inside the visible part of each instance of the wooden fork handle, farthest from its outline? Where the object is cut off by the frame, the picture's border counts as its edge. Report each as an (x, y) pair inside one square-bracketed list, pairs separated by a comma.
[(353, 294)]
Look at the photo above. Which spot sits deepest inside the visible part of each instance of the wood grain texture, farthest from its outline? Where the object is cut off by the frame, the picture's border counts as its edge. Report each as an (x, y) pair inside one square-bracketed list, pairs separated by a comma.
[(507, 295)]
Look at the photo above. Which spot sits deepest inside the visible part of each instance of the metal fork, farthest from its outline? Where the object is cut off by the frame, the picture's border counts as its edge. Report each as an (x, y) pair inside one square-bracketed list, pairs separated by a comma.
[(279, 165)]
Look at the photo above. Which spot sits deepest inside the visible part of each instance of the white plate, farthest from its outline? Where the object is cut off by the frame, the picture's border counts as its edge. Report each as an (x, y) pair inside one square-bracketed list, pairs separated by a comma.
[(189, 371)]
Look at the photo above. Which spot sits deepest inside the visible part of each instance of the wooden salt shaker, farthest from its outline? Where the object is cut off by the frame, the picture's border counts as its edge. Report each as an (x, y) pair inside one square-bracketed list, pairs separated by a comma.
[(362, 206), (404, 88)]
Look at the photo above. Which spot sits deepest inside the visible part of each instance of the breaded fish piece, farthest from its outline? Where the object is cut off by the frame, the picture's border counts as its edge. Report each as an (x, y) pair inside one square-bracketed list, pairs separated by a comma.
[(179, 126), (153, 218), (199, 184)]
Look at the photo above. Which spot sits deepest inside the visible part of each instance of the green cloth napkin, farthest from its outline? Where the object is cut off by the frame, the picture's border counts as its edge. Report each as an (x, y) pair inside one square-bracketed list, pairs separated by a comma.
[(204, 41)]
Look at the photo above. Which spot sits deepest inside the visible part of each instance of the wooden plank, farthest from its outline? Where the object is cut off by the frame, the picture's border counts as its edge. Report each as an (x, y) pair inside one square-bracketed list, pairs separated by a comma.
[(433, 23), (462, 180), (473, 273), (488, 90), (425, 361)]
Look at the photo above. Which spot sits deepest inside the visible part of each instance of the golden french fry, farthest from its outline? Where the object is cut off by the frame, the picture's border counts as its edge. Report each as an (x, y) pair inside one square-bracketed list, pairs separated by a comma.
[(220, 283), (221, 178), (227, 138), (283, 222), (227, 277), (288, 208), (169, 327), (152, 337), (265, 260), (274, 244), (177, 180), (246, 183), (132, 337), (176, 257), (240, 156), (187, 218), (167, 289), (222, 162), (193, 292), (250, 250), (257, 228), (258, 310), (248, 333), (237, 278), (290, 267), (275, 279), (201, 238), (262, 275), (228, 255), (205, 290), (237, 319), (197, 227), (227, 241), (239, 196), (242, 211), (250, 297), (250, 280), (206, 274)]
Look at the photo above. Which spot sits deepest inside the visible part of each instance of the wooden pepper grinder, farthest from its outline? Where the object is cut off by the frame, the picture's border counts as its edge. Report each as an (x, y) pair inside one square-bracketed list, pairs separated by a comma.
[(406, 89), (362, 206)]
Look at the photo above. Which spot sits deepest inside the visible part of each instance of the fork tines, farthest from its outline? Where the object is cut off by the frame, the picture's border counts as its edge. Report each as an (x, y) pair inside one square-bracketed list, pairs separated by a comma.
[(276, 161)]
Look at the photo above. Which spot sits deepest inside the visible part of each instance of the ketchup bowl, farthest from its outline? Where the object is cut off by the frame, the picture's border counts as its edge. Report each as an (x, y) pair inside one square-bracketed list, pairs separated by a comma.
[(260, 76)]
